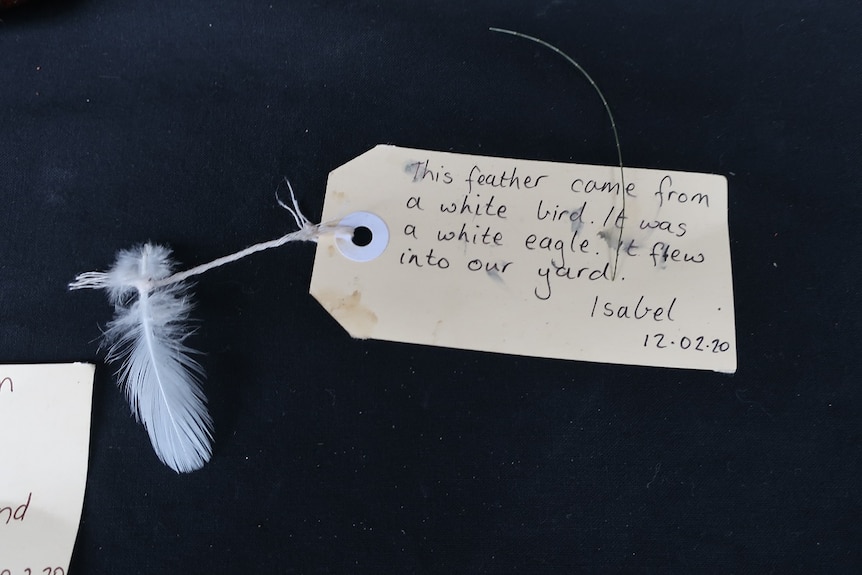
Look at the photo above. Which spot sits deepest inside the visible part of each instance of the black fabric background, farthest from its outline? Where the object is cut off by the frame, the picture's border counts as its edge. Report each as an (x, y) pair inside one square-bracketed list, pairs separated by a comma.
[(122, 122)]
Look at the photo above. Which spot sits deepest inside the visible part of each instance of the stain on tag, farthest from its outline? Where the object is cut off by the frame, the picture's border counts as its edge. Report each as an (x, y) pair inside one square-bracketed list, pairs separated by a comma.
[(520, 257)]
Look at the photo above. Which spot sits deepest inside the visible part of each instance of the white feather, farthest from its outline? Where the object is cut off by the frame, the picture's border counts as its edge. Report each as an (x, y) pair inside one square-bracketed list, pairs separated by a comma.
[(161, 381)]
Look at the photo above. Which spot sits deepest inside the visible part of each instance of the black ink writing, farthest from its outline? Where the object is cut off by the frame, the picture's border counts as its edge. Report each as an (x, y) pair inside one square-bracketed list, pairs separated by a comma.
[(29, 571), (543, 291), (640, 310), (663, 253), (685, 343), (472, 236), (630, 248), (475, 207), (476, 265), (618, 221), (430, 260), (411, 258), (421, 171), (6, 382), (16, 514), (665, 194), (580, 186), (560, 236), (502, 180), (558, 246), (678, 230), (574, 216)]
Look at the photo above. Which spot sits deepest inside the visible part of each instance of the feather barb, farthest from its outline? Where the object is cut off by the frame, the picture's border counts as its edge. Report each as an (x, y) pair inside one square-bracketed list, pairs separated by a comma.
[(161, 380)]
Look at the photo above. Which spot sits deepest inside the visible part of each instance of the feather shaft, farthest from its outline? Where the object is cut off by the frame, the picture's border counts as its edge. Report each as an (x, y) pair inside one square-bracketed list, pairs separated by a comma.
[(161, 380), (147, 336)]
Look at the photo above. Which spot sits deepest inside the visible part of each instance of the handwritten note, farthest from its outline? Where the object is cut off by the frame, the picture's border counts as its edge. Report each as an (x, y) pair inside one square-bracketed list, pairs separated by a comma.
[(44, 449), (534, 258)]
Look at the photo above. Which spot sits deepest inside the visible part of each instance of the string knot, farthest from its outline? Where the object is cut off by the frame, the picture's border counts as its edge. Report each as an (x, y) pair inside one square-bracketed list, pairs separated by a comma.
[(308, 230)]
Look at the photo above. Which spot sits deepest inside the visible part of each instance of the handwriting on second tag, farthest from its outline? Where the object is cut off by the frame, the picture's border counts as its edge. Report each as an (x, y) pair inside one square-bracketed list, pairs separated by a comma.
[(49, 570), (44, 447)]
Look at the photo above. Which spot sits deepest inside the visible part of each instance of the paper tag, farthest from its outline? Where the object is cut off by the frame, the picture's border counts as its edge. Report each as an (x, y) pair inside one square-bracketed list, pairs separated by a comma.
[(44, 450), (518, 257)]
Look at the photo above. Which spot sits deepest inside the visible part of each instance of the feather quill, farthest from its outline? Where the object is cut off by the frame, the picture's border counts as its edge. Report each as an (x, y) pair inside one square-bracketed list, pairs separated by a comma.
[(152, 304), (161, 380)]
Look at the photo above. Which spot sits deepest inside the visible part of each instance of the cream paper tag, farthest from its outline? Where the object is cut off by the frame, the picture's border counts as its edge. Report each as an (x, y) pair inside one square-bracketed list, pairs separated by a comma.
[(518, 257), (44, 450)]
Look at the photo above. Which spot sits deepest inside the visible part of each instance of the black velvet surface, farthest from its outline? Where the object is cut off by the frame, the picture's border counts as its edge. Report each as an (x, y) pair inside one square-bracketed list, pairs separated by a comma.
[(122, 122)]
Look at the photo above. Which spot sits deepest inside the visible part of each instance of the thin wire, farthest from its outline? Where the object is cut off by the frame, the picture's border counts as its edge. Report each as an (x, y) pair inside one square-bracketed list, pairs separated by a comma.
[(589, 78)]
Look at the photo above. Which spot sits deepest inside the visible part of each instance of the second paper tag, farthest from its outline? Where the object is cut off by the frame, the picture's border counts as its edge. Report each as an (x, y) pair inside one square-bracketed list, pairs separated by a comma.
[(530, 258)]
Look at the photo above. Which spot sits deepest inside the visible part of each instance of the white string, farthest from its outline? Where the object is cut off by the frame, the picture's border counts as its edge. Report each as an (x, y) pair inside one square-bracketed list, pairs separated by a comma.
[(307, 232), (301, 235), (301, 221)]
